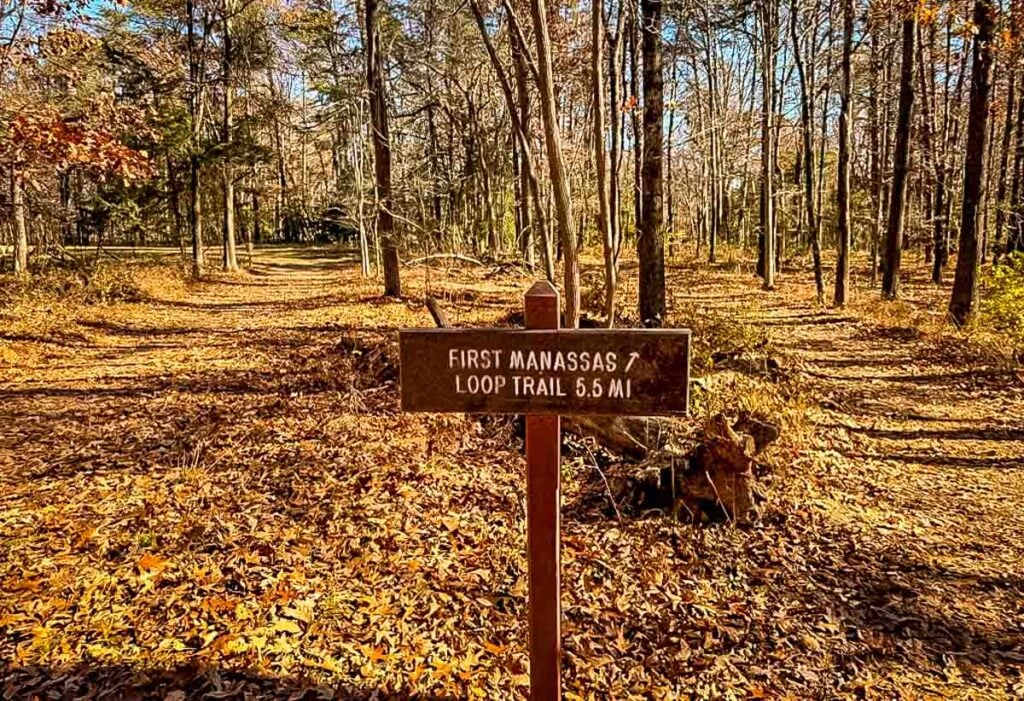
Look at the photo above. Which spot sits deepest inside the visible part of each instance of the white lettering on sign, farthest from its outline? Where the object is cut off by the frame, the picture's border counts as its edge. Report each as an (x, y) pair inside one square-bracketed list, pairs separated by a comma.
[(471, 359), (538, 384)]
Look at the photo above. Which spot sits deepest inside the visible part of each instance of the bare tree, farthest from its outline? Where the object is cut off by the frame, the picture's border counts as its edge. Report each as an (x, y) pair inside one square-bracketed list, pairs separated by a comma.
[(381, 151), (901, 159), (601, 158), (963, 302), (651, 235), (843, 188), (18, 216), (229, 254), (807, 83), (769, 12), (195, 113), (556, 165)]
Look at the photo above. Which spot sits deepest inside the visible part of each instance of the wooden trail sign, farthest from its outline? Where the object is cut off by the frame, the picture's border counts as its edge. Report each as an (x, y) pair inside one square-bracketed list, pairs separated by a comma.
[(544, 372)]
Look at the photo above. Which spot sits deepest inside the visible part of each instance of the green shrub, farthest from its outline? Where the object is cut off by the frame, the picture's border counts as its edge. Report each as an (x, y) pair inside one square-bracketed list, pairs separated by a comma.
[(1003, 306)]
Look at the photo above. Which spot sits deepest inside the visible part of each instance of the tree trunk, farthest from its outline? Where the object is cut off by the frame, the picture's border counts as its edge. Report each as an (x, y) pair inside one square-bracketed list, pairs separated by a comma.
[(523, 143), (520, 115), (670, 213), (616, 61), (716, 182), (933, 155), (650, 237), (174, 205), (601, 158), (522, 61), (634, 116), (229, 254), (901, 159), (381, 152), (195, 213), (358, 169), (986, 201), (806, 130), (963, 302), (766, 258), (18, 219), (843, 188), (1004, 161), (556, 166), (877, 164)]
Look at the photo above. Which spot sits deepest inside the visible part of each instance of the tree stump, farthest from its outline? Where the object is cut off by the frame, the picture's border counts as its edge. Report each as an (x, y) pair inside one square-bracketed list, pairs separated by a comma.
[(714, 482)]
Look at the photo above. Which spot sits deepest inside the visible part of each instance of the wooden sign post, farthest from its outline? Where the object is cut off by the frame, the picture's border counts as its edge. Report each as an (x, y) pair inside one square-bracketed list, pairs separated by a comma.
[(544, 372), (544, 520)]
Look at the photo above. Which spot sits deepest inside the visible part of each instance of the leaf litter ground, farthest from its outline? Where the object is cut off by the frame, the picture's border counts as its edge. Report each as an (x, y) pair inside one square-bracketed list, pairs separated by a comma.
[(212, 494)]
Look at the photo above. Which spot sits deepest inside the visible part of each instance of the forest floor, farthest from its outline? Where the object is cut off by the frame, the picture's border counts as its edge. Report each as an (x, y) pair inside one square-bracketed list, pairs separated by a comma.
[(211, 493)]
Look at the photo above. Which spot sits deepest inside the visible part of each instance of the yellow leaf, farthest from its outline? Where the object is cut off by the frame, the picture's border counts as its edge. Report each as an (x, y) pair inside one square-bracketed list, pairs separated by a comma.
[(451, 523), (283, 625)]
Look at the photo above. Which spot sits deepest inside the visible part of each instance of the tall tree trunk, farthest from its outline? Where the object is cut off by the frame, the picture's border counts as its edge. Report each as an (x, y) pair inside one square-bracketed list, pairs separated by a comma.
[(769, 17), (875, 139), (986, 201), (64, 191), (601, 158), (805, 74), (651, 235), (932, 154), (952, 125), (1004, 161), (358, 170), (174, 205), (616, 60), (257, 215), (493, 244), (556, 166), (843, 188), (381, 152), (18, 219), (714, 165), (1016, 189), (634, 115), (935, 161), (520, 116), (963, 302), (229, 253), (901, 159), (195, 213), (522, 104), (435, 170)]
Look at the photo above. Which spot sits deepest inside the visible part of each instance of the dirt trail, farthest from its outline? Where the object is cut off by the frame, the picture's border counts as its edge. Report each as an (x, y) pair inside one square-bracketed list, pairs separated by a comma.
[(217, 433), (919, 455)]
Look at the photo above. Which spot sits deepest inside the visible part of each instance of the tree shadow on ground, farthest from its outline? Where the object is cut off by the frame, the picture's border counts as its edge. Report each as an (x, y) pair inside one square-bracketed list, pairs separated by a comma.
[(55, 338), (972, 433), (284, 381), (934, 459), (809, 320), (89, 682), (976, 377), (877, 588), (115, 329)]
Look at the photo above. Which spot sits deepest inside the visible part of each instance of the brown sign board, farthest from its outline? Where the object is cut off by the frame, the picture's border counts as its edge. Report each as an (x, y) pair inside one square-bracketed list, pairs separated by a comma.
[(638, 372)]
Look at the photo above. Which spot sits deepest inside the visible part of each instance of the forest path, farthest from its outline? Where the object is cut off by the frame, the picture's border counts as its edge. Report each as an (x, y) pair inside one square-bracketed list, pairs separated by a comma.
[(918, 458), (221, 323), (179, 471)]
